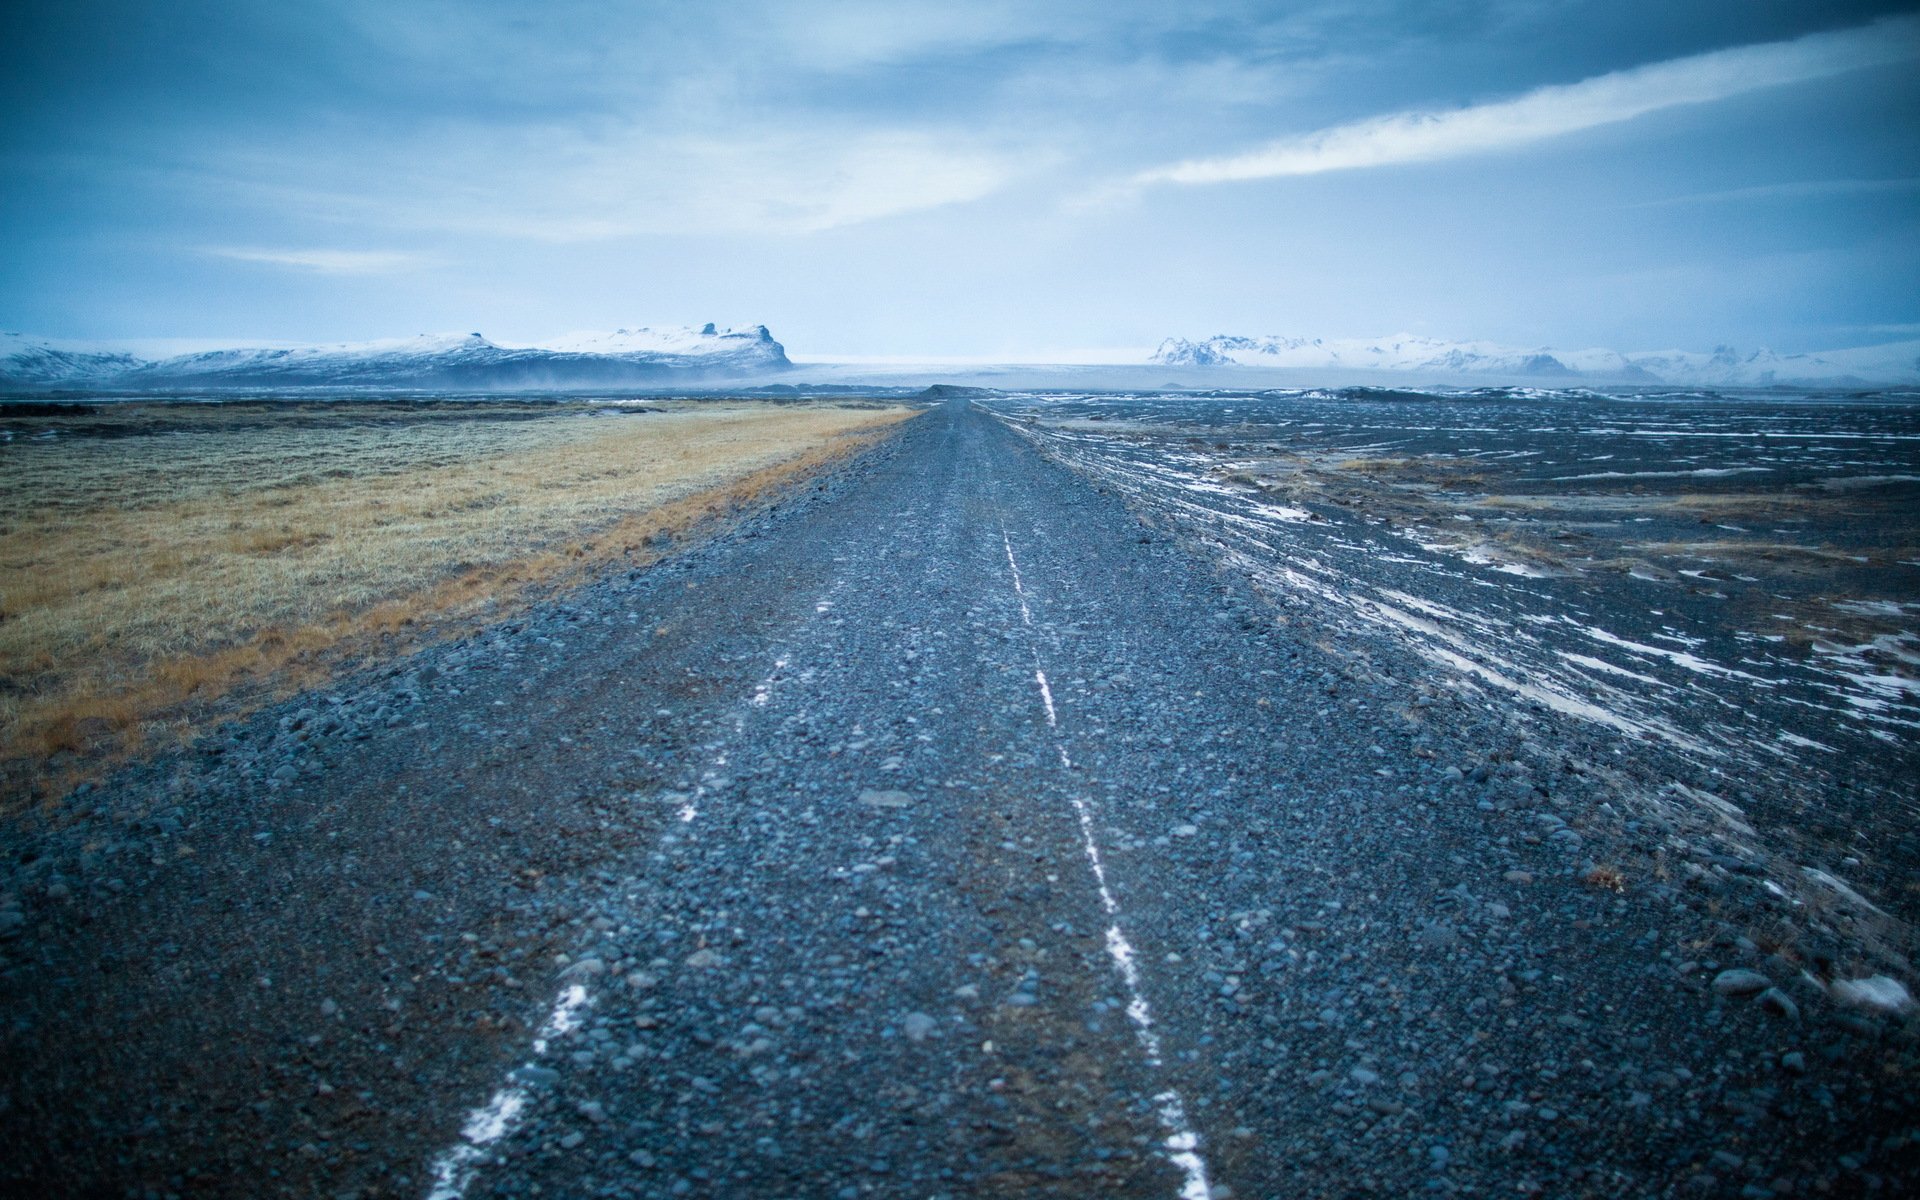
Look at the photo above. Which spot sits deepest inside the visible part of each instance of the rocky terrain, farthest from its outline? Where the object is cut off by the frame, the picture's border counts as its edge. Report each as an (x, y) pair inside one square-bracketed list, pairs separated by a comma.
[(962, 826)]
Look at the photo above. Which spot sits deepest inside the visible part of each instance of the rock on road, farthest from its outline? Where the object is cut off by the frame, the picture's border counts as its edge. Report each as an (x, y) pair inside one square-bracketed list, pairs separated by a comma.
[(943, 832)]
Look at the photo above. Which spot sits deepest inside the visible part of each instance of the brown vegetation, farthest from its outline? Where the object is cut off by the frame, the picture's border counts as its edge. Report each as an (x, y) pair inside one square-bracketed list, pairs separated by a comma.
[(1375, 466), (143, 578), (1606, 877), (1426, 470)]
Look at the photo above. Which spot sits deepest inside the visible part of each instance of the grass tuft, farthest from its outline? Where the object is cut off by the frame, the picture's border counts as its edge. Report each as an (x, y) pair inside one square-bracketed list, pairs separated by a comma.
[(1605, 877)]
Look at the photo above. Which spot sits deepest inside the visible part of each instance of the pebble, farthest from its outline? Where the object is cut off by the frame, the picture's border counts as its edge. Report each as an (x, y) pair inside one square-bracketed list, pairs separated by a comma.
[(885, 798), (1779, 1004), (918, 1025), (1877, 993), (1740, 982)]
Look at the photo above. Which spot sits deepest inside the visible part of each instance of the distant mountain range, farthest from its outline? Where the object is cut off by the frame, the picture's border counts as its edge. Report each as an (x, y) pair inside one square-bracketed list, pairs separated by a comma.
[(670, 357), (462, 361), (1898, 363)]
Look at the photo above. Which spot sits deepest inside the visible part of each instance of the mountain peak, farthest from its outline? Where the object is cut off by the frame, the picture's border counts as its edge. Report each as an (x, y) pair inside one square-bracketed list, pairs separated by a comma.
[(752, 347), (1898, 363)]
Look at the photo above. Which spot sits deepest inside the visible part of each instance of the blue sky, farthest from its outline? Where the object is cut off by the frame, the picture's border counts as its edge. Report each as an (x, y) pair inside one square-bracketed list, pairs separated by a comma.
[(991, 180)]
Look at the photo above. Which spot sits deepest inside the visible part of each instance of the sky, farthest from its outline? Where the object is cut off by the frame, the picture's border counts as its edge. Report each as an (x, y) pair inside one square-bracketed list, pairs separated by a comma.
[(997, 181)]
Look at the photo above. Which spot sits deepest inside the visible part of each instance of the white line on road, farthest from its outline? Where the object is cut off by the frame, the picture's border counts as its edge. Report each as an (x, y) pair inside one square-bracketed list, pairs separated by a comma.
[(455, 1170), (1182, 1143), (764, 692), (1046, 698)]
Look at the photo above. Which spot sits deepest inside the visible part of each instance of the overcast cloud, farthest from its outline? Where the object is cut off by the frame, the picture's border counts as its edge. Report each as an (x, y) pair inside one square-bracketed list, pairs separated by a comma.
[(907, 179)]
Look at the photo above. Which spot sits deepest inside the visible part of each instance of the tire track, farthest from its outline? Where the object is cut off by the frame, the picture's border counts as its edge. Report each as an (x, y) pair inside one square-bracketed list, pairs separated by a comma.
[(1181, 1144), (457, 1167)]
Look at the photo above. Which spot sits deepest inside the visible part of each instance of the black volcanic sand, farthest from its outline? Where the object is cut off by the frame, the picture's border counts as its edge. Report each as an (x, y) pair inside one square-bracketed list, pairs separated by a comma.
[(1761, 555)]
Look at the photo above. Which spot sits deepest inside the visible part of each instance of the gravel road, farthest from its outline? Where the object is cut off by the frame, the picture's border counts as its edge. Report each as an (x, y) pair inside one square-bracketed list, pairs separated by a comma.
[(943, 831)]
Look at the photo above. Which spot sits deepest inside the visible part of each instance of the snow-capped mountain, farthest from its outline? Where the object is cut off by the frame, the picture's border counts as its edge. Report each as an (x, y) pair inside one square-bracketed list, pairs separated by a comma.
[(626, 356), (470, 360), (751, 348), (400, 361), (39, 362), (1896, 363)]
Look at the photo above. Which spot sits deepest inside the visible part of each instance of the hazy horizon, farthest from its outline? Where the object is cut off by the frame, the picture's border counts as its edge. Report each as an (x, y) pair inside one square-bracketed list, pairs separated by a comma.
[(980, 183)]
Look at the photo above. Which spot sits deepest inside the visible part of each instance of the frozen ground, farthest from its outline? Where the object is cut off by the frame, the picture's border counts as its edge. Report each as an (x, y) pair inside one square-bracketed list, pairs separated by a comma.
[(968, 825), (1736, 578)]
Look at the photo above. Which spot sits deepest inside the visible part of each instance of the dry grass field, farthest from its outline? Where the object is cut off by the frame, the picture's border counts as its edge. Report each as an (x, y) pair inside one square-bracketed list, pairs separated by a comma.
[(161, 564)]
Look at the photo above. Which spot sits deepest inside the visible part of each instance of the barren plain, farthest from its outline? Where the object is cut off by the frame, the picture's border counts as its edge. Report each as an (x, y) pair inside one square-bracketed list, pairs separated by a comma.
[(1064, 795)]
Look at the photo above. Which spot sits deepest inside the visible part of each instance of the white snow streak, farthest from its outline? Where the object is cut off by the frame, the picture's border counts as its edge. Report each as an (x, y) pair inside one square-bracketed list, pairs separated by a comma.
[(453, 1171), (1182, 1143), (764, 691), (1046, 697)]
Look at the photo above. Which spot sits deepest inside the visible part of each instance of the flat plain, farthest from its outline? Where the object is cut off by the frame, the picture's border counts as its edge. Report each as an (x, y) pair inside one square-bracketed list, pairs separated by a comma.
[(1074, 796), (156, 556), (1732, 579)]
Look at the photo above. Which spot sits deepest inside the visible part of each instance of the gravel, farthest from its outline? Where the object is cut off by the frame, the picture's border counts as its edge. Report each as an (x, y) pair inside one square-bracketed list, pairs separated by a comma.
[(790, 810)]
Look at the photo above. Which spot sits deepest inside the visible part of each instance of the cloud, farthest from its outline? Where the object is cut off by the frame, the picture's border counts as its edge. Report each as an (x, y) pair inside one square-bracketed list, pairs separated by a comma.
[(1797, 190), (611, 181), (1548, 112), (323, 262), (800, 183)]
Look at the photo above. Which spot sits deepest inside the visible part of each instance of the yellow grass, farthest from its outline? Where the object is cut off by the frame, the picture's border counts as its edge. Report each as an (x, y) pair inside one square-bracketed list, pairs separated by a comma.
[(1606, 877), (1434, 469), (1374, 466), (142, 573)]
